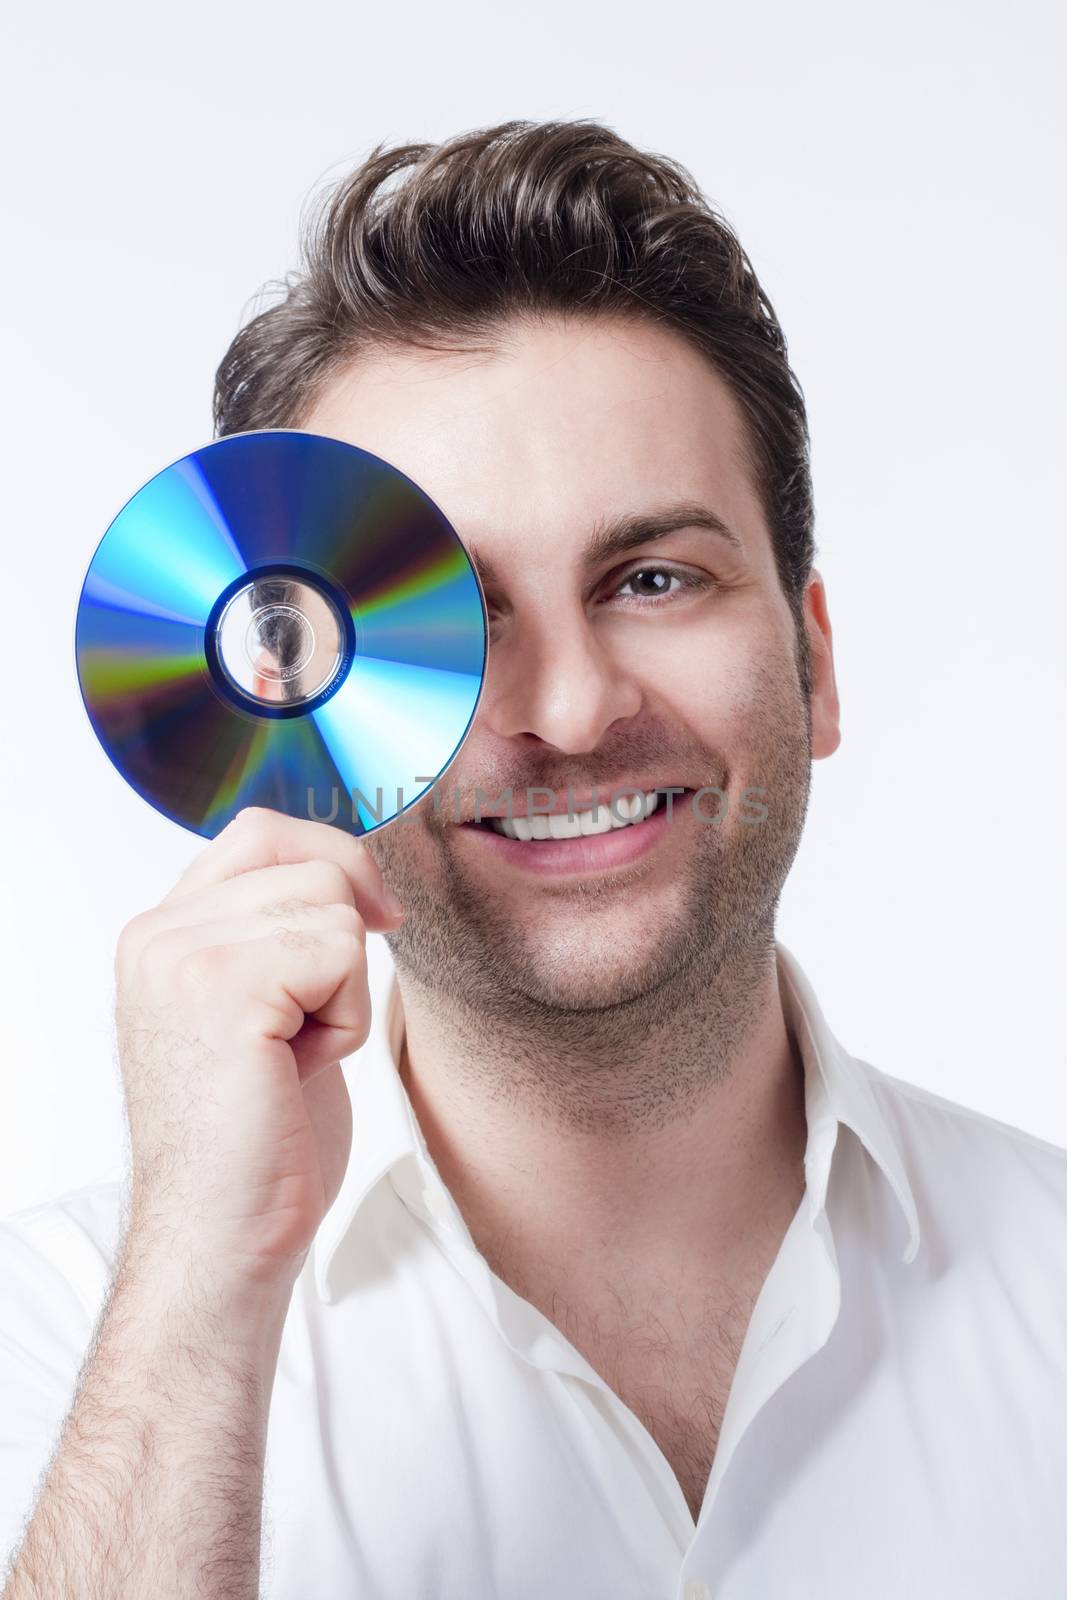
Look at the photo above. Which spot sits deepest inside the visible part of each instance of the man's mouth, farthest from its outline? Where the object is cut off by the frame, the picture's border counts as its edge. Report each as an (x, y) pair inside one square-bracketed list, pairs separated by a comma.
[(609, 815)]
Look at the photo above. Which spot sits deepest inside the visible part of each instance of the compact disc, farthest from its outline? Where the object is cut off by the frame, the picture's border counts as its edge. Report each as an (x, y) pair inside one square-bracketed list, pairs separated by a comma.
[(281, 619)]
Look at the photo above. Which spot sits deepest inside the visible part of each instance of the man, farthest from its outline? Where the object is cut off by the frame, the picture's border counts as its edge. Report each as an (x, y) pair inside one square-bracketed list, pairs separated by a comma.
[(621, 1277)]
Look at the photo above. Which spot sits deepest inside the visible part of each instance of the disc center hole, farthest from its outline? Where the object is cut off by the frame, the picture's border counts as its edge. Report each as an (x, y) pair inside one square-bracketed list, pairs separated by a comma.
[(279, 642)]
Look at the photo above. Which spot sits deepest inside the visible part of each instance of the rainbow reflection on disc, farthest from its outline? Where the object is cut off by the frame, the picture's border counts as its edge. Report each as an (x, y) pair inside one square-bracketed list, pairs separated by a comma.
[(281, 619)]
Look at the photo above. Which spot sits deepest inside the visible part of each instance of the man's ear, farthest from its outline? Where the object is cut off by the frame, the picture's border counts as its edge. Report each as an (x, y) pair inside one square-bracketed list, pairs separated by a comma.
[(825, 707)]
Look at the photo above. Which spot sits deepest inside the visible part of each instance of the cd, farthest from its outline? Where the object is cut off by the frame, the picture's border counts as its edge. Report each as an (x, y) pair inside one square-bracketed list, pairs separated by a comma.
[(281, 619)]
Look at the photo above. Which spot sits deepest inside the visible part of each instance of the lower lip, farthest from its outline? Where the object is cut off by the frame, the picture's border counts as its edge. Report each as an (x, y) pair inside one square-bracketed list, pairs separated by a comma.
[(593, 852)]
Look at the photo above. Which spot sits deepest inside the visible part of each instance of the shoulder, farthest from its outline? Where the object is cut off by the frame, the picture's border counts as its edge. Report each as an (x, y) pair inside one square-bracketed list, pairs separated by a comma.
[(981, 1186), (60, 1254), (949, 1128)]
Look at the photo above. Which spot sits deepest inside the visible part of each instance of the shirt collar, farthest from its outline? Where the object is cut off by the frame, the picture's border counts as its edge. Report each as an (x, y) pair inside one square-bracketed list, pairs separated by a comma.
[(839, 1090), (386, 1131)]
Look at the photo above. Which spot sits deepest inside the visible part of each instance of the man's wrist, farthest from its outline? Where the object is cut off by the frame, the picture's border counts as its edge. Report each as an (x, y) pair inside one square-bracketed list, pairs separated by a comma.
[(200, 1303)]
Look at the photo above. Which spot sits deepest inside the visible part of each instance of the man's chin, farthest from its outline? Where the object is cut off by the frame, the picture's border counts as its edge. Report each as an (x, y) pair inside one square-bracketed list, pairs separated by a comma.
[(587, 945), (575, 980)]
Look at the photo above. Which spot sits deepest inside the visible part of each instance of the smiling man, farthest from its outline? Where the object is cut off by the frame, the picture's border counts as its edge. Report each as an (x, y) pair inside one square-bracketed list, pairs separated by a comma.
[(594, 1039), (636, 1283)]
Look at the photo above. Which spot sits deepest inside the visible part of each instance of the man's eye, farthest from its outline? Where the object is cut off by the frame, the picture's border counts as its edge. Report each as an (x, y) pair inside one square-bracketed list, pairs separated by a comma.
[(649, 583)]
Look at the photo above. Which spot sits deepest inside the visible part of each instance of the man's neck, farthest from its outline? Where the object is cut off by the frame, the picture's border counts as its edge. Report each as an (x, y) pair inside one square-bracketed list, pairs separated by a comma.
[(687, 1156)]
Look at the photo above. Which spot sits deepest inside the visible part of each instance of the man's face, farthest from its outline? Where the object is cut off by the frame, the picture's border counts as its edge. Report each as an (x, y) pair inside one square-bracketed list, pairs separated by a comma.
[(672, 663)]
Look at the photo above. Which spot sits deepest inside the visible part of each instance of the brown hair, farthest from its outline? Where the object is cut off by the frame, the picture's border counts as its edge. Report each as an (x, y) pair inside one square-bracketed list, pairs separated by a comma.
[(518, 220)]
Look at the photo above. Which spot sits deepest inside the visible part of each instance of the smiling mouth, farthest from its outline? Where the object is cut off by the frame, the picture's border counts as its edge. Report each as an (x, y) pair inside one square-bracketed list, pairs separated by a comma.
[(624, 811)]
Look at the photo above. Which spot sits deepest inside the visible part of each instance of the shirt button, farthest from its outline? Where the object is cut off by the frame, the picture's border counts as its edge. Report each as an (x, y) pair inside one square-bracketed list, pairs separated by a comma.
[(695, 1590)]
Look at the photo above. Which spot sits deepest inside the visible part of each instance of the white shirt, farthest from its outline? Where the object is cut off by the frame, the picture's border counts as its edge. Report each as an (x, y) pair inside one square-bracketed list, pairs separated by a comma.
[(896, 1425)]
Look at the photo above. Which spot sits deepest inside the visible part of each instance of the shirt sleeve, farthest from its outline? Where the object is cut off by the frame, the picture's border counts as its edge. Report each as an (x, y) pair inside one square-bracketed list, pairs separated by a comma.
[(55, 1267)]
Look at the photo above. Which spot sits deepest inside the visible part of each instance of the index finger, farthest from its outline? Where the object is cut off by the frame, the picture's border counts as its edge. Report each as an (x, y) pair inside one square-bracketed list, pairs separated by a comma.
[(259, 837)]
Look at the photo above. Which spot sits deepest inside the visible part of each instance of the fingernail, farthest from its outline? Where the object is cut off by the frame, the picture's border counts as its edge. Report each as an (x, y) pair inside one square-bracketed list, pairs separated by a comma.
[(392, 902)]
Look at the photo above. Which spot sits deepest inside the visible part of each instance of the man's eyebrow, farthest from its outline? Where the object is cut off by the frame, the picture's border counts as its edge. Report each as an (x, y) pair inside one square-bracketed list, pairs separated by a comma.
[(618, 535)]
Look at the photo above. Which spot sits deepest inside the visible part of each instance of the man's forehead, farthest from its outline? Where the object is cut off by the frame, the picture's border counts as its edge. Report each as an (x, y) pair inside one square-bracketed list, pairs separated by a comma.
[(565, 427), (616, 361)]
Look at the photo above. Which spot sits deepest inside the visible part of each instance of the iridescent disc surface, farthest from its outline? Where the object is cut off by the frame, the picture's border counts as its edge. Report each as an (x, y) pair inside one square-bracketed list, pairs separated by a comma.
[(281, 619)]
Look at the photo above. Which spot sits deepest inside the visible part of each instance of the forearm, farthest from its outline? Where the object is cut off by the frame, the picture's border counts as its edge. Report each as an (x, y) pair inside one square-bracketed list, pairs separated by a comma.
[(155, 1490)]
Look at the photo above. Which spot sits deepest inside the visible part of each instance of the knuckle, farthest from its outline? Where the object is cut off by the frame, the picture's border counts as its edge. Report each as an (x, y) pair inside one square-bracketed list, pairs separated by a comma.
[(355, 852), (254, 817), (360, 1030), (255, 823), (198, 969), (154, 955), (330, 882), (347, 919), (132, 937), (353, 948)]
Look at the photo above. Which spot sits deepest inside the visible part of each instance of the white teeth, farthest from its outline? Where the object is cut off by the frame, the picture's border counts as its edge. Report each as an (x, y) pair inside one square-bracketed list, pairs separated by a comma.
[(564, 827), (627, 809), (598, 821)]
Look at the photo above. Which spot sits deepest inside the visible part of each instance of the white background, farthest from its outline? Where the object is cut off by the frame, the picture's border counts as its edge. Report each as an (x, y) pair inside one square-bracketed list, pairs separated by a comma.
[(895, 174)]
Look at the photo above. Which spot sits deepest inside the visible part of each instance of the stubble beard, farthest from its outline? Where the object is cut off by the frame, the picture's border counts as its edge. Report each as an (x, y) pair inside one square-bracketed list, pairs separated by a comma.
[(513, 986)]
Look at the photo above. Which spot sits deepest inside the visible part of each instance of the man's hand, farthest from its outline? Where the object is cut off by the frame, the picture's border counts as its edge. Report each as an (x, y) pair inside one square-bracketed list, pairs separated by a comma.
[(236, 997)]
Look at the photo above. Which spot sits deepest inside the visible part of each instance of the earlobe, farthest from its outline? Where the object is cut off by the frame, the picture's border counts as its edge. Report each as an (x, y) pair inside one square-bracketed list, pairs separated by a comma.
[(825, 706)]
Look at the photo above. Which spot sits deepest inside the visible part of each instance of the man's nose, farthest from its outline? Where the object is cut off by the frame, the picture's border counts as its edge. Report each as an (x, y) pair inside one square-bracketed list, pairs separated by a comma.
[(557, 678)]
